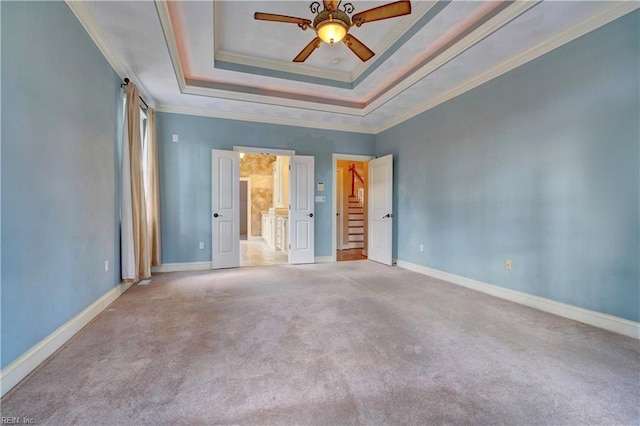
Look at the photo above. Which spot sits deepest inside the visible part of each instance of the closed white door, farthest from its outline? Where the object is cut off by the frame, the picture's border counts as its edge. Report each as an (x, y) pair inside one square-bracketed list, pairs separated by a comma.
[(225, 220), (380, 210), (301, 210)]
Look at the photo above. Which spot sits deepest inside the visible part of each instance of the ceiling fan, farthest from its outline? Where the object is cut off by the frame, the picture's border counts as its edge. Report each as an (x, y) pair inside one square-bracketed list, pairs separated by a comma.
[(332, 24)]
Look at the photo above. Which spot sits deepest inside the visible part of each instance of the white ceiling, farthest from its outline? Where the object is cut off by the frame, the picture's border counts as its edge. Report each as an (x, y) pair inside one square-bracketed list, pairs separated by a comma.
[(213, 59)]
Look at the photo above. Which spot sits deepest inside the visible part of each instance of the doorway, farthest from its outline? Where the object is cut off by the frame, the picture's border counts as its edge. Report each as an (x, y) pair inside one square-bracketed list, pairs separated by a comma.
[(245, 208), (350, 207), (292, 229), (266, 214)]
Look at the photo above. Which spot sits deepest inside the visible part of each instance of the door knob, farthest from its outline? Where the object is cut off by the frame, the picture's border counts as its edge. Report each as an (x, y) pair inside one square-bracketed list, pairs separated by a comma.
[(310, 214), (387, 215), (216, 215)]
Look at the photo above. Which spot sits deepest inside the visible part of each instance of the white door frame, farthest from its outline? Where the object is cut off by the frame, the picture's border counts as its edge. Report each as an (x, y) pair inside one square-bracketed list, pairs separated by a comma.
[(264, 151), (336, 157), (248, 180), (339, 208)]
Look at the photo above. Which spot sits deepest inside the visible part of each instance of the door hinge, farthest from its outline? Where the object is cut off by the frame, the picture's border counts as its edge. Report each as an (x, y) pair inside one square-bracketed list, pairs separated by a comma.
[(289, 166), (289, 246)]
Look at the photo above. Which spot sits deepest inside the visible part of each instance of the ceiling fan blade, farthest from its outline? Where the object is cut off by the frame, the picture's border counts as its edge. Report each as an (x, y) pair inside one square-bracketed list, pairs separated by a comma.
[(308, 50), (281, 18), (330, 5), (357, 47), (387, 11)]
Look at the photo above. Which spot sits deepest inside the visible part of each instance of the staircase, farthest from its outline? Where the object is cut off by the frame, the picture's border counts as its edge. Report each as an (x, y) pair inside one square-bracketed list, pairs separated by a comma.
[(356, 209), (356, 222)]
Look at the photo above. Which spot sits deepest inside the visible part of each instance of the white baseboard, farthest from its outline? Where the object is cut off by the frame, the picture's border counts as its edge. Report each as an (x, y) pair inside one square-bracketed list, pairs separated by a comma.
[(323, 259), (596, 319), (179, 267), (13, 373)]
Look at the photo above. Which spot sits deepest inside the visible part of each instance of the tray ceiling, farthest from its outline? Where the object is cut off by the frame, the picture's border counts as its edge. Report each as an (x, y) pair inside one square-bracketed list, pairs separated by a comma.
[(214, 59)]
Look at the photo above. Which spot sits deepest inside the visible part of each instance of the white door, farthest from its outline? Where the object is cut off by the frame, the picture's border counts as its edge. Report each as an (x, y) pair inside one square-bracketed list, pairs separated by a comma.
[(301, 214), (380, 210), (225, 220)]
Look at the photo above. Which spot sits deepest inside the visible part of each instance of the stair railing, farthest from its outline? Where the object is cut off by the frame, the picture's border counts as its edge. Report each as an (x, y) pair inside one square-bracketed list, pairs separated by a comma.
[(357, 184)]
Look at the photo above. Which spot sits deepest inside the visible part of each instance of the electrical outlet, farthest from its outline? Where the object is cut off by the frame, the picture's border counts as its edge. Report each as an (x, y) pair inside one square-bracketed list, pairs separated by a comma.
[(507, 264), (421, 248), (106, 266), (201, 245)]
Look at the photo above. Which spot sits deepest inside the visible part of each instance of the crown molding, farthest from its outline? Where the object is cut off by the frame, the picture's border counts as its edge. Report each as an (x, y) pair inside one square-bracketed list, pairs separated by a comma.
[(91, 27), (271, 100), (267, 119), (188, 86), (170, 40), (172, 46), (270, 64), (610, 13), (486, 29), (398, 31), (301, 69)]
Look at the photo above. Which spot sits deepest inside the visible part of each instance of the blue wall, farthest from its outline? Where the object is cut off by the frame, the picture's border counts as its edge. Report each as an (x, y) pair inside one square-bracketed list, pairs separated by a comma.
[(59, 217), (541, 166), (185, 174)]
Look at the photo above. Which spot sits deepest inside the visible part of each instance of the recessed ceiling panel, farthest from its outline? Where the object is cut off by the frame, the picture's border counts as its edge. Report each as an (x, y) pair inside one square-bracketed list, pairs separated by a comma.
[(214, 58)]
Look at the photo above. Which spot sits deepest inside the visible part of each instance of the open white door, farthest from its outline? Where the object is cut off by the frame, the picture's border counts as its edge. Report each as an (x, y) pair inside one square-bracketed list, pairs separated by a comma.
[(339, 208), (301, 220), (225, 220), (380, 210)]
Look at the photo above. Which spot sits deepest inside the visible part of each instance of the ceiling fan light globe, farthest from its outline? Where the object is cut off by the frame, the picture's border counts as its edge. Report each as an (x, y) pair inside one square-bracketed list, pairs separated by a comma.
[(332, 31)]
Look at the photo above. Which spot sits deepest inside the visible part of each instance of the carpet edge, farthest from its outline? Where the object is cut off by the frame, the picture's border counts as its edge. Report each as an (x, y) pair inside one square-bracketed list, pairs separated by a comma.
[(21, 367), (597, 319)]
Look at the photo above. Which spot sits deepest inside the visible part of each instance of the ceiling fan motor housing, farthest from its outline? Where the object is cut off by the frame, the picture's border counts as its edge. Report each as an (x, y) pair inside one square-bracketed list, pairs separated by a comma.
[(334, 17)]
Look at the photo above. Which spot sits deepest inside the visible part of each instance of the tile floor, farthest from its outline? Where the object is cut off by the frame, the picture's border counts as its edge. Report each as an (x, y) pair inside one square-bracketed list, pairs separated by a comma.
[(256, 252)]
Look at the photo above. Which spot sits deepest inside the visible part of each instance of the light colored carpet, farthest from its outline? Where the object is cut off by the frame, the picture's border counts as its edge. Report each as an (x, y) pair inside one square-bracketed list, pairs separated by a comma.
[(343, 343)]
